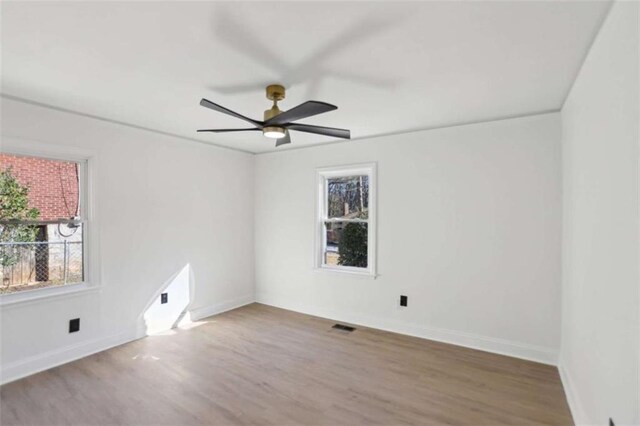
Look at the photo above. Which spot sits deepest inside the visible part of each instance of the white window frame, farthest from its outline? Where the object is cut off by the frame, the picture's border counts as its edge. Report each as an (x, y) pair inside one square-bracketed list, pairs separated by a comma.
[(86, 170), (321, 216)]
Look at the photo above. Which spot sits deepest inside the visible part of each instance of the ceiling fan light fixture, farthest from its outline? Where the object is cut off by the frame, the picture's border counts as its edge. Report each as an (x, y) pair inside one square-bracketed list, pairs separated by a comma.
[(274, 132)]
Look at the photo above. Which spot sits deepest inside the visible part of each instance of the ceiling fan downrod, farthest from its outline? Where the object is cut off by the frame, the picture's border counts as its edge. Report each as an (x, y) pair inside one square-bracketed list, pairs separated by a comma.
[(275, 92)]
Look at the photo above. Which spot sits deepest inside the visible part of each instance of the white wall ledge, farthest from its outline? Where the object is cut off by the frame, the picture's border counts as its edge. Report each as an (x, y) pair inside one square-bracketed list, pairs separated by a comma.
[(42, 295)]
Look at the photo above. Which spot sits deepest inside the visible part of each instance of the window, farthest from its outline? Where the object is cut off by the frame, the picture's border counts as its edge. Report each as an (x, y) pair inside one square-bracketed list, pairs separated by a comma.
[(346, 219), (42, 223)]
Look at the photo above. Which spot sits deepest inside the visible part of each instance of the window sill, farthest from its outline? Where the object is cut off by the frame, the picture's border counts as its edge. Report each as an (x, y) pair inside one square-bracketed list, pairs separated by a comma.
[(346, 271), (46, 294)]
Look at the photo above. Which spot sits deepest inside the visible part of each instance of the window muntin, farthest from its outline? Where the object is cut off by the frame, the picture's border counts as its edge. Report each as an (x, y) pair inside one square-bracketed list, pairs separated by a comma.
[(42, 223), (346, 228)]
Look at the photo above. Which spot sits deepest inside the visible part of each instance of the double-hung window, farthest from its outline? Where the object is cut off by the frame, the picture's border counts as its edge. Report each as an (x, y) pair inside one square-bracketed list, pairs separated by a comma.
[(345, 223), (42, 223)]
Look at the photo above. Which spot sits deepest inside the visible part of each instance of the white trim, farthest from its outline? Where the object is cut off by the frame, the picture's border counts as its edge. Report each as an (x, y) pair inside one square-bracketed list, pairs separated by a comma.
[(37, 363), (32, 148), (506, 347), (207, 311), (41, 295), (87, 171), (121, 123), (358, 272), (141, 320), (575, 406), (346, 169), (400, 133), (322, 174)]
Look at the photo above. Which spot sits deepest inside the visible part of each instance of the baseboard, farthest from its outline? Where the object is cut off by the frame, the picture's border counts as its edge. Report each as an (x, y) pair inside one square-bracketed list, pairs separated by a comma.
[(474, 341), (577, 409), (37, 363), (207, 311)]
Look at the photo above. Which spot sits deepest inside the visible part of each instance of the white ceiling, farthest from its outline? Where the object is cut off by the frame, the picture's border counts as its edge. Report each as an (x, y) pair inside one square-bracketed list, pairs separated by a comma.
[(388, 66)]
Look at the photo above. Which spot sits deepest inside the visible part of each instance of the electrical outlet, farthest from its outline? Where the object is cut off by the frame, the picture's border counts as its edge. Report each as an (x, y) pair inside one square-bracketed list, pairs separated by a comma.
[(404, 301), (74, 325), (164, 298)]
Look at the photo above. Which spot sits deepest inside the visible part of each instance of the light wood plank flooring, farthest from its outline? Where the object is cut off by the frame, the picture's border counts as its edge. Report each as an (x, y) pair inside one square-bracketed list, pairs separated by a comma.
[(260, 365)]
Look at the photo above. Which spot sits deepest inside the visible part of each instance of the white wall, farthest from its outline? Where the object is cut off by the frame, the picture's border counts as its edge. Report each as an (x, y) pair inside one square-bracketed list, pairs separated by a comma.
[(469, 228), (473, 236), (600, 323), (160, 203)]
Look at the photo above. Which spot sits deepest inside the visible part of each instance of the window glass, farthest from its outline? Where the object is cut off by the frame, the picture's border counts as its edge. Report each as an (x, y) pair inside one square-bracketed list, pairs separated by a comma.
[(346, 244), (348, 197)]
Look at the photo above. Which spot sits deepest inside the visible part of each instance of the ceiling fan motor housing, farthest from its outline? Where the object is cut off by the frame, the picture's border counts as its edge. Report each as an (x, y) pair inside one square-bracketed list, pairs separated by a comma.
[(272, 131)]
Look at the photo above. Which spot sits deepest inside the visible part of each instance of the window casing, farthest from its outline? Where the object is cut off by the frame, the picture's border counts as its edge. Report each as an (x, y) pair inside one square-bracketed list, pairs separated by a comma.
[(346, 219), (59, 259)]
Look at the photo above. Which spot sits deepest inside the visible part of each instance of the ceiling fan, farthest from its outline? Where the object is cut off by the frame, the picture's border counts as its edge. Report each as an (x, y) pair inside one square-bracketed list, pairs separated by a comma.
[(277, 123)]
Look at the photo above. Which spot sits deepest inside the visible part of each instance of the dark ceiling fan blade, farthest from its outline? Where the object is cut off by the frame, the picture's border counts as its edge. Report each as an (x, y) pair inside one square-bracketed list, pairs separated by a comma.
[(320, 130), (208, 104), (285, 140), (228, 130), (307, 109)]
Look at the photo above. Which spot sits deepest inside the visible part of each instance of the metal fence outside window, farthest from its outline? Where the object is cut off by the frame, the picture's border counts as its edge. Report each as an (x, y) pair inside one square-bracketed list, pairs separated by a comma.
[(30, 265)]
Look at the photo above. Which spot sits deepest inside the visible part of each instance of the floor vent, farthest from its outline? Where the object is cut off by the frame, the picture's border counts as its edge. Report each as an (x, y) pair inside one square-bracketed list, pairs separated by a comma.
[(343, 327)]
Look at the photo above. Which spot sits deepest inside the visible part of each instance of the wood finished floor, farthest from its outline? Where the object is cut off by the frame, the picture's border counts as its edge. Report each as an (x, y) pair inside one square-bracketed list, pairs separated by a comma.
[(260, 365)]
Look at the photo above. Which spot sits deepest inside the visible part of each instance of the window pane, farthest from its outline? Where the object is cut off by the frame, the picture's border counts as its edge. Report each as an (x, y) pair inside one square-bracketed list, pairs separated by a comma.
[(37, 262), (346, 244), (348, 197), (36, 190)]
